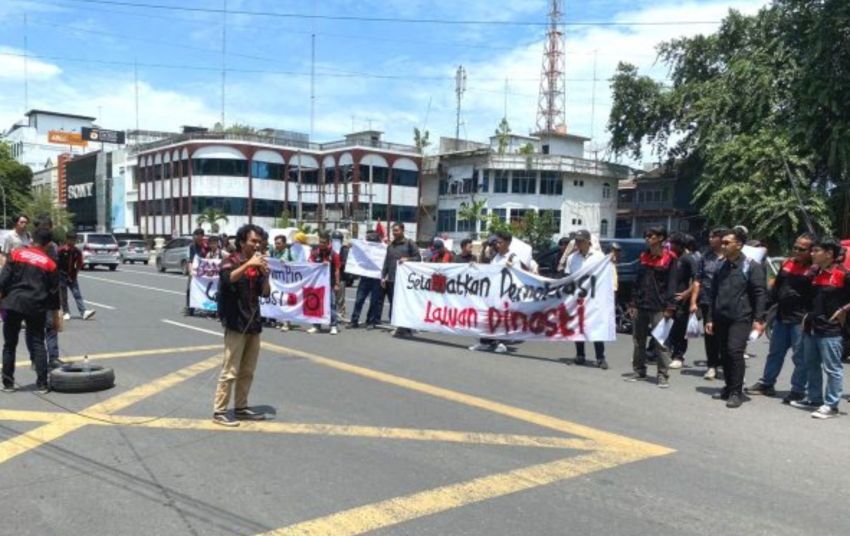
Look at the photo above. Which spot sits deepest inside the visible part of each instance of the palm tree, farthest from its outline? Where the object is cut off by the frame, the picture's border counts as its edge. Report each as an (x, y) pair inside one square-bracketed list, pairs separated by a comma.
[(472, 212), (212, 216)]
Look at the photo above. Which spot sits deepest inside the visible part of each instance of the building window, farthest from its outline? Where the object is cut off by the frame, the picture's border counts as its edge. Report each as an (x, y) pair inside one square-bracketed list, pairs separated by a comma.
[(500, 184), (556, 218), (404, 177), (233, 206), (220, 166), (485, 181), (404, 213), (500, 213), (576, 221), (379, 211), (266, 170), (444, 186), (465, 226), (551, 183), (380, 175), (518, 214), (446, 221), (606, 191), (578, 183), (603, 229), (524, 182)]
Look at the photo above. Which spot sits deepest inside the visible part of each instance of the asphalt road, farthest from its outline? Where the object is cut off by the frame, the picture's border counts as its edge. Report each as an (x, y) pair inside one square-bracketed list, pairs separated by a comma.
[(418, 436)]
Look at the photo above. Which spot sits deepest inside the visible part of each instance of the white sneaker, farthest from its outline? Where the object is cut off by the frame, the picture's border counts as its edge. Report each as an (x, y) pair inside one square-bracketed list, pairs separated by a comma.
[(825, 412), (480, 347), (66, 316), (710, 374), (88, 314), (500, 348), (312, 330), (334, 331), (284, 326), (676, 364)]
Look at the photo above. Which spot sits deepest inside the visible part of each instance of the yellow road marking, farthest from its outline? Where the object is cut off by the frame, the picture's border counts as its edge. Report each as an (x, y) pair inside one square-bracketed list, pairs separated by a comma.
[(135, 353), (28, 441), (400, 509), (273, 427), (605, 439)]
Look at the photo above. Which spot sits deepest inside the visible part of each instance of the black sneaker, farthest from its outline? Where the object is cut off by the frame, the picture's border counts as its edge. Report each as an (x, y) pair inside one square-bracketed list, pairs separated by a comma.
[(735, 401), (663, 382), (224, 419), (722, 395), (635, 377), (42, 389), (759, 388), (370, 327), (354, 325), (793, 397), (9, 389), (602, 364), (805, 404), (579, 360), (248, 414)]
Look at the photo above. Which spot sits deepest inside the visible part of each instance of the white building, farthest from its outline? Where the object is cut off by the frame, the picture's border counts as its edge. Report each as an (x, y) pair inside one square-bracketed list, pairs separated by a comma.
[(255, 178), (579, 193), (42, 136)]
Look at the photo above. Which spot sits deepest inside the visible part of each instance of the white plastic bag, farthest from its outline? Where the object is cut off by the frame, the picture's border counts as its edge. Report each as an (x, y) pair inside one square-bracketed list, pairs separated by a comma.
[(662, 330), (694, 329)]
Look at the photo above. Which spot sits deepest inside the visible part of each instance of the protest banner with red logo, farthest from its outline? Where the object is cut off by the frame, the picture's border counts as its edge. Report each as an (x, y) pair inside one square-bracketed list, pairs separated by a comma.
[(300, 293), (501, 302), (204, 287)]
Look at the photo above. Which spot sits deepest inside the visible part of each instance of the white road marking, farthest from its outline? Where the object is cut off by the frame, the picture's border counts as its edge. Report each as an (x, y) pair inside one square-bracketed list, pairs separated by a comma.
[(195, 328), (101, 305), (156, 274), (133, 285)]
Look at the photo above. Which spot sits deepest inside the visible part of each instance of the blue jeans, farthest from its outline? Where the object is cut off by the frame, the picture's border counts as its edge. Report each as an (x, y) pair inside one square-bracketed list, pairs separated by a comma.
[(368, 287), (824, 354), (334, 315), (785, 336), (51, 339), (65, 284)]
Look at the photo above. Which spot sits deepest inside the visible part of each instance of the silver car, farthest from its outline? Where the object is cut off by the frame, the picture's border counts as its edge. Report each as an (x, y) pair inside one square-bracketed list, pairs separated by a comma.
[(98, 249), (133, 251), (174, 255)]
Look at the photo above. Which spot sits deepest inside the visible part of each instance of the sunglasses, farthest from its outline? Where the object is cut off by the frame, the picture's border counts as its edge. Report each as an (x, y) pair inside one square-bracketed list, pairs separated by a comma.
[(799, 248)]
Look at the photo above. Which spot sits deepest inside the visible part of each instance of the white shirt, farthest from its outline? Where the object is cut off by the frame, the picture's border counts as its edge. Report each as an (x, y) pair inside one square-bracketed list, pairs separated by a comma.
[(576, 260), (529, 265)]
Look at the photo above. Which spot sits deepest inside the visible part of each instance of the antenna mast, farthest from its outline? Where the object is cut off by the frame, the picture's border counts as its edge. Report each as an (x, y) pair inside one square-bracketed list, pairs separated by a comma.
[(552, 101), (460, 89)]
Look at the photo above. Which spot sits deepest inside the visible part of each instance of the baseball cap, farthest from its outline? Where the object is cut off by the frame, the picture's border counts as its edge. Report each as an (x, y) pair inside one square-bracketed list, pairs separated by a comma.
[(582, 234)]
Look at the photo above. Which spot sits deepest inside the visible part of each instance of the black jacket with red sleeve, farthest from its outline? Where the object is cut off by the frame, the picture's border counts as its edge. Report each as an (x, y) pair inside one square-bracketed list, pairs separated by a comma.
[(29, 282), (70, 261), (655, 285)]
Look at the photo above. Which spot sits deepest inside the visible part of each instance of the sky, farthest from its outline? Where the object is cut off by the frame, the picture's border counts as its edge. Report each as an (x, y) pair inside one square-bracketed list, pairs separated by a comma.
[(89, 56)]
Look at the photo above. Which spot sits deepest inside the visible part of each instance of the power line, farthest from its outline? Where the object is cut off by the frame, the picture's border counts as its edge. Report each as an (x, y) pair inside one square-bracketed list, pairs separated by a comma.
[(358, 18)]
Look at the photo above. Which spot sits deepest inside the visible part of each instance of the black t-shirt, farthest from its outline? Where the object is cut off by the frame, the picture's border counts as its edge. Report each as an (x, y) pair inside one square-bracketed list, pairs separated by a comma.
[(687, 268), (830, 292), (239, 302)]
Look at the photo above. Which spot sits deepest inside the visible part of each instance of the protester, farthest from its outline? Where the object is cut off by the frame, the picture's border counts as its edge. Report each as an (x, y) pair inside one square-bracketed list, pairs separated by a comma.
[(701, 296), (439, 253), (791, 296), (198, 248), (70, 262), (29, 287), (243, 279), (19, 237), (822, 330), (616, 250), (368, 287), (687, 267), (300, 249), (652, 301), (345, 280), (582, 256), (466, 255), (502, 256), (214, 248), (736, 312), (281, 250), (488, 250), (400, 249), (566, 246), (51, 333), (324, 254)]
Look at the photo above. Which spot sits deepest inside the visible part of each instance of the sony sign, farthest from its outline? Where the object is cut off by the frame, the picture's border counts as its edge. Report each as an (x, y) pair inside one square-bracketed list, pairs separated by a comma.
[(79, 191)]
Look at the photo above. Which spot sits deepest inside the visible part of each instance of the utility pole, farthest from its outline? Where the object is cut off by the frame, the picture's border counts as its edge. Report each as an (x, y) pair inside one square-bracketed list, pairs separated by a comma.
[(26, 67), (313, 72), (460, 89), (593, 97), (136, 85), (223, 63)]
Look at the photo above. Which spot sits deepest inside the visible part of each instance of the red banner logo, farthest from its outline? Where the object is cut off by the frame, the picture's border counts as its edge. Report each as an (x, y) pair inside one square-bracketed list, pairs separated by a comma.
[(314, 302)]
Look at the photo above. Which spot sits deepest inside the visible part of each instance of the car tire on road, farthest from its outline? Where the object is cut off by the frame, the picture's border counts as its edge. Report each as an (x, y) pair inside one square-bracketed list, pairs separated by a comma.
[(113, 267), (159, 266), (184, 267), (79, 379)]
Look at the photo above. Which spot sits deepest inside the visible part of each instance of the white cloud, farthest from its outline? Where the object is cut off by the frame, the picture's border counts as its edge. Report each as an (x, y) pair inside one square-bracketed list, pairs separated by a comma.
[(12, 66)]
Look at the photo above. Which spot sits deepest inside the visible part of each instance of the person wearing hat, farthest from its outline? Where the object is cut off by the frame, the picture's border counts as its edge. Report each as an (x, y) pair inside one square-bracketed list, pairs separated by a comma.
[(584, 255), (439, 253)]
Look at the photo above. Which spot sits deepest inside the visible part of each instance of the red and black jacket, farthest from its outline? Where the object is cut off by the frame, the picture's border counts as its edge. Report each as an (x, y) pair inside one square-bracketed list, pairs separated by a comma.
[(792, 291), (830, 292), (70, 261), (655, 285), (29, 282)]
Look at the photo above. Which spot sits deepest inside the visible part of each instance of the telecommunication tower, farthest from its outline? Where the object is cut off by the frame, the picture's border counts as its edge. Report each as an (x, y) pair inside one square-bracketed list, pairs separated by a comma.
[(552, 101)]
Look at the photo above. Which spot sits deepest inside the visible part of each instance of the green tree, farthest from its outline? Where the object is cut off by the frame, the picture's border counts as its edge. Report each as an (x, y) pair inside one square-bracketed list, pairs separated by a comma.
[(536, 229), (472, 211), (758, 111), (283, 221), (503, 133), (16, 183), (211, 216), (421, 139), (42, 203), (527, 150)]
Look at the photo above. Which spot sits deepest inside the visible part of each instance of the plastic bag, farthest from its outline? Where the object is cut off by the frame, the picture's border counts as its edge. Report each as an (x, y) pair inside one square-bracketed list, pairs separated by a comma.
[(694, 329), (662, 330)]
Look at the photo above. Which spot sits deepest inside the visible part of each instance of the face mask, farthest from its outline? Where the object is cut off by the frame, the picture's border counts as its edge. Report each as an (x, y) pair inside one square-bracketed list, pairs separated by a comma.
[(336, 245)]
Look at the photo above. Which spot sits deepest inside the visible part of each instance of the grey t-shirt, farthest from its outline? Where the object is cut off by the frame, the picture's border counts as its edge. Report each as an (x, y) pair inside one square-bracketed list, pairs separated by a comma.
[(14, 241)]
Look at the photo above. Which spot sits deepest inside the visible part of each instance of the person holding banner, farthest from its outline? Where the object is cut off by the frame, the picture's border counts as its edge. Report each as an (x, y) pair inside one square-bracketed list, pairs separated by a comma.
[(368, 287), (243, 279), (399, 250), (465, 256), (439, 253), (582, 255), (501, 255), (344, 280), (282, 252), (324, 254), (214, 251), (197, 248), (653, 301)]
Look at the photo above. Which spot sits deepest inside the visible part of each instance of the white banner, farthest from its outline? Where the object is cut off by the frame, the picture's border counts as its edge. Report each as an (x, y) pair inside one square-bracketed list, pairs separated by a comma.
[(496, 301), (300, 293), (204, 287), (366, 258)]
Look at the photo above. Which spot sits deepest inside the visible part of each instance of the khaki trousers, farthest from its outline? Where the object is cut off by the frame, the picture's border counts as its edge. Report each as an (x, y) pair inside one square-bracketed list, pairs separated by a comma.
[(240, 361)]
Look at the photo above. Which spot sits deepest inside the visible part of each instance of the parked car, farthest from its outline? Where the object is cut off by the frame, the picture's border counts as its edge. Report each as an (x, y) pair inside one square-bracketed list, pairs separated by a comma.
[(174, 255), (133, 251), (98, 249)]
